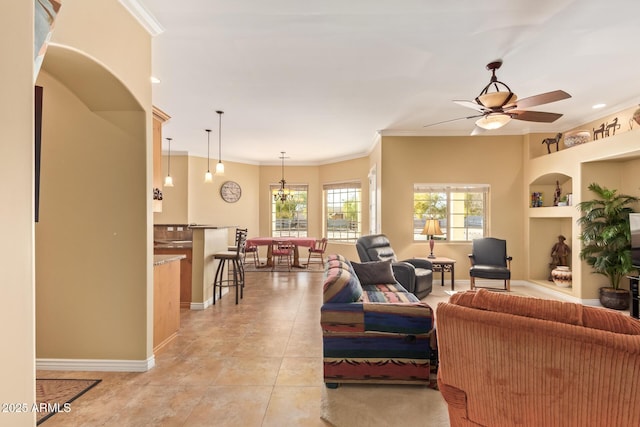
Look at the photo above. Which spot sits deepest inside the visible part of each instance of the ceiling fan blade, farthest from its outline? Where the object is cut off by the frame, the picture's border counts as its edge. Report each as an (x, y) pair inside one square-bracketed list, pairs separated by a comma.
[(534, 116), (543, 98), (453, 120), (472, 105)]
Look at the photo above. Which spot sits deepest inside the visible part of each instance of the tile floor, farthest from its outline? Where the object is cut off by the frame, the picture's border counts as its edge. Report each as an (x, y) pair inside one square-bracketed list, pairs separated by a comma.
[(255, 364), (258, 363)]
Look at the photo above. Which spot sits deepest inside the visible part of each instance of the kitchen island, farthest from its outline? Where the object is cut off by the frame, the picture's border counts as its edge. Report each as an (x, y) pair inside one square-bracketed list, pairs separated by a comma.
[(207, 240), (199, 243)]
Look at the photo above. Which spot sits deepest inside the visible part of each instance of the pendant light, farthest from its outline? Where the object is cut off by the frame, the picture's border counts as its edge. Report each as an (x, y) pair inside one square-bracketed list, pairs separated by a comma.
[(168, 181), (220, 165), (208, 177), (282, 194)]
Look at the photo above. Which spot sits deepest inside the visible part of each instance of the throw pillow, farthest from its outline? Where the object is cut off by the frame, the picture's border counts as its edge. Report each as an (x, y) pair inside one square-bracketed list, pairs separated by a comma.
[(374, 273)]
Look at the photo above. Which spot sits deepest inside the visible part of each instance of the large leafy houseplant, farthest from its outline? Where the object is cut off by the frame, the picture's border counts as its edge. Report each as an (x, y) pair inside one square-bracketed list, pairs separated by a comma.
[(605, 235)]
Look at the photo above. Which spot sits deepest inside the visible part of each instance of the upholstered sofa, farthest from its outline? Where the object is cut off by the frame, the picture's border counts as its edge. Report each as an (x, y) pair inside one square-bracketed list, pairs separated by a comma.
[(373, 330), (509, 360), (414, 274)]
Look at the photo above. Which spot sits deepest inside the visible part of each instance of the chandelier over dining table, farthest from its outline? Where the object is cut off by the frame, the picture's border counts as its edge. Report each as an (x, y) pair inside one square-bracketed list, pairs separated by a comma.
[(282, 194)]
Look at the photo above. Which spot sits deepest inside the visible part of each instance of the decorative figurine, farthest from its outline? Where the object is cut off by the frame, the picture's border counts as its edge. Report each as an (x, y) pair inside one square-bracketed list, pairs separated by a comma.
[(550, 141), (613, 125), (560, 252), (556, 194), (599, 131), (559, 255)]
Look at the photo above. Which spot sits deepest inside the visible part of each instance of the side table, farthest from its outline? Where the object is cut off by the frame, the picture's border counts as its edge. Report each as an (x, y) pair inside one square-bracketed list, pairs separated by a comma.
[(444, 265)]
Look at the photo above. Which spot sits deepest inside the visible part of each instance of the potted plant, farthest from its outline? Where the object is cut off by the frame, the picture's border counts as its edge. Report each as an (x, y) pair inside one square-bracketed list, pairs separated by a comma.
[(606, 241)]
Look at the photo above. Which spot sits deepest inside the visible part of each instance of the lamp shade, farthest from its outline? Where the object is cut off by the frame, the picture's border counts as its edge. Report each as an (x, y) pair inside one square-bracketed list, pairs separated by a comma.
[(432, 228), (493, 121), (497, 99), (219, 168)]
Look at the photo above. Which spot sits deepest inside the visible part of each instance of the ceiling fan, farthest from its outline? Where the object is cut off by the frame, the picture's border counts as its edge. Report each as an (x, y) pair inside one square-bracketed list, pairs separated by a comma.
[(498, 107)]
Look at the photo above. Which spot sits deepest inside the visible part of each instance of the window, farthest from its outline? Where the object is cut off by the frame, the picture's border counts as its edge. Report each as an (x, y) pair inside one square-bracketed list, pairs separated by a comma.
[(343, 211), (460, 209), (289, 219)]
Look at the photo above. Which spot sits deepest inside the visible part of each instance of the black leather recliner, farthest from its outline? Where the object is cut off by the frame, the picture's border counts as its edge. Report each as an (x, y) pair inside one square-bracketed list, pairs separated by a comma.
[(416, 275)]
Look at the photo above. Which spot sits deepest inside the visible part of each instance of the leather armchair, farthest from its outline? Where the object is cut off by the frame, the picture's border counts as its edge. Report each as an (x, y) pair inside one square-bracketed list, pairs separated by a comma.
[(415, 275), (489, 260)]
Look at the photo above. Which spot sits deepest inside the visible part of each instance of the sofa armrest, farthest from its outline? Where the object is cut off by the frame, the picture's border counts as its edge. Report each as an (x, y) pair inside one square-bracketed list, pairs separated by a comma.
[(342, 317), (420, 263), (405, 274)]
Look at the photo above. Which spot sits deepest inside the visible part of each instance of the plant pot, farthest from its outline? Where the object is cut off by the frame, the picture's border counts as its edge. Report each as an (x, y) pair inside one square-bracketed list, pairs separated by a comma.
[(617, 299), (561, 276)]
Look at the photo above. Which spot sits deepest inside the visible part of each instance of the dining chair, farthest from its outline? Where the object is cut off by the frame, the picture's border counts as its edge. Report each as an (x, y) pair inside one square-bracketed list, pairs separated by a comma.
[(317, 251), (233, 259), (253, 250), (282, 250)]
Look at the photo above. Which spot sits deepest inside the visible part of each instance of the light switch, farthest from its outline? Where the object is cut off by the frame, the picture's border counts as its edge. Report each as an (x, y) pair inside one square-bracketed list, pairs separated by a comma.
[(169, 228), (180, 229)]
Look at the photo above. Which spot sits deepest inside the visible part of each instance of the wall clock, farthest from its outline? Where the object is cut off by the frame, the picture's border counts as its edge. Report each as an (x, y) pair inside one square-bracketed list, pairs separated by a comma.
[(230, 191)]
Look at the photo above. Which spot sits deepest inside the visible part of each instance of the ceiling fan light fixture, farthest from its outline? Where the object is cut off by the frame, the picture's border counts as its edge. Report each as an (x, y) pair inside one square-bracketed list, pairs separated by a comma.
[(493, 121), (497, 99)]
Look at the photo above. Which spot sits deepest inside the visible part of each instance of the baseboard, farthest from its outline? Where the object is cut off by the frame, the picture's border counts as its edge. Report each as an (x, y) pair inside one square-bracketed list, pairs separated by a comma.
[(201, 305), (103, 365)]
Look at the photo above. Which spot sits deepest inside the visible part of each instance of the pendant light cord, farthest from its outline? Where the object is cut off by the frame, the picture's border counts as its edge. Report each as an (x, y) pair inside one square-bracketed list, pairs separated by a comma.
[(169, 159), (220, 135), (208, 149)]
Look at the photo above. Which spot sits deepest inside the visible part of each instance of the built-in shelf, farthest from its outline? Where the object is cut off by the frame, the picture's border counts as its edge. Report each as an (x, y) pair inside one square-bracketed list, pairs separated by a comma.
[(547, 185), (553, 212)]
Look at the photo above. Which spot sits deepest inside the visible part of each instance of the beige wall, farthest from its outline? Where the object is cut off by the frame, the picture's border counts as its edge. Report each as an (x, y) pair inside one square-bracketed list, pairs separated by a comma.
[(205, 206), (175, 200), (17, 310), (192, 201), (93, 246), (493, 160)]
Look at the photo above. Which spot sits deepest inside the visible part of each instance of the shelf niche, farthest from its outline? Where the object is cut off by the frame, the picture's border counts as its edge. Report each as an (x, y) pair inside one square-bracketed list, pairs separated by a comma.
[(546, 185)]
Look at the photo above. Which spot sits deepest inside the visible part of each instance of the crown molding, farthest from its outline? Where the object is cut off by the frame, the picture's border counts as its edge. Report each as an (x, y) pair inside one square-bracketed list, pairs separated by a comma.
[(144, 17)]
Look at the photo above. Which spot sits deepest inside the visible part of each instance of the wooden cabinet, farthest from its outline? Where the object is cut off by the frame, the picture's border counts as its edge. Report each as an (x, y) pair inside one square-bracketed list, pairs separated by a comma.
[(166, 302), (159, 118), (185, 272)]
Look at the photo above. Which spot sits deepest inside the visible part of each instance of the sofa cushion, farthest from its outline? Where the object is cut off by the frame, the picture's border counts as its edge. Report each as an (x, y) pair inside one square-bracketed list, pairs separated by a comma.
[(341, 285), (401, 318), (387, 293), (374, 272)]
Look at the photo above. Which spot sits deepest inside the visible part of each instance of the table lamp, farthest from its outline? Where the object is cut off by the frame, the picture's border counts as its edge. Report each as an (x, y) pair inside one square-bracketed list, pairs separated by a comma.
[(431, 228)]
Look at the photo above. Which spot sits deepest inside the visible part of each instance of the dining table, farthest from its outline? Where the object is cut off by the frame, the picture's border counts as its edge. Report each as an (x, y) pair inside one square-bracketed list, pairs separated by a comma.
[(268, 242)]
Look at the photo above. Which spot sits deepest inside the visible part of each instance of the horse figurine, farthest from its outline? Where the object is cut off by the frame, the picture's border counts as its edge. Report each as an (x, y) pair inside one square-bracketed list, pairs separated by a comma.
[(550, 141), (599, 131)]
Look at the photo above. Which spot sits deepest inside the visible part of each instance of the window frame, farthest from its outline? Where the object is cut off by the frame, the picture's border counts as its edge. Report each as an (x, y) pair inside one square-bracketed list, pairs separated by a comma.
[(289, 232), (448, 225), (353, 229)]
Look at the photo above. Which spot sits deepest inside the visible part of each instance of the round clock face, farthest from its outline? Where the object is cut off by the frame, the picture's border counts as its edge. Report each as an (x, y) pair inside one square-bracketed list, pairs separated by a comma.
[(230, 191)]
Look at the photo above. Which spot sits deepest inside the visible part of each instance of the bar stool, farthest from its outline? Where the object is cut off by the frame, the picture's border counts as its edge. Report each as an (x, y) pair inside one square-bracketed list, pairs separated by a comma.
[(235, 259)]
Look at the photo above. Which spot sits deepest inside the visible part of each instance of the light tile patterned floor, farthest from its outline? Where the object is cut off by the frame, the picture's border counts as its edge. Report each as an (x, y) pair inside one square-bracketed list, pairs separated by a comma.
[(258, 363), (255, 364)]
